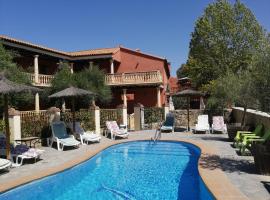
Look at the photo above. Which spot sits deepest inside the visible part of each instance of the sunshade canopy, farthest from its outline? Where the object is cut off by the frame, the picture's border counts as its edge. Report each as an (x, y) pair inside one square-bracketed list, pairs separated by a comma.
[(71, 92)]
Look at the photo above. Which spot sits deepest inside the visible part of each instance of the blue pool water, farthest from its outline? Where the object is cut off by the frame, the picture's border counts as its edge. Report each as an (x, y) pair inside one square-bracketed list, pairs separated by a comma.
[(134, 170)]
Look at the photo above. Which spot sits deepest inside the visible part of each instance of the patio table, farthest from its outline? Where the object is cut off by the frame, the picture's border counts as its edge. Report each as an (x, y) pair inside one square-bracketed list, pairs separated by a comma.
[(28, 140)]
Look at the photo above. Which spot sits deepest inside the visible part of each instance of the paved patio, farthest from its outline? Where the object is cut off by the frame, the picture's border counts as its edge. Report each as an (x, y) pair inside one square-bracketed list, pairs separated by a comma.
[(240, 170)]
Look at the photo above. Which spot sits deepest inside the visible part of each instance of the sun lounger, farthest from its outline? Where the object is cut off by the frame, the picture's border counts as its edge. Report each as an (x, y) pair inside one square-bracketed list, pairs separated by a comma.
[(203, 124), (20, 152), (240, 135), (168, 125), (247, 141), (5, 164), (219, 125), (85, 136), (61, 137), (115, 131)]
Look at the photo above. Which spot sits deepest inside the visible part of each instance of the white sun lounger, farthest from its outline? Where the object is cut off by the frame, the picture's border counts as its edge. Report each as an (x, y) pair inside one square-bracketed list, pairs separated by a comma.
[(5, 164), (203, 124), (85, 136), (22, 152), (218, 124), (61, 137), (114, 129)]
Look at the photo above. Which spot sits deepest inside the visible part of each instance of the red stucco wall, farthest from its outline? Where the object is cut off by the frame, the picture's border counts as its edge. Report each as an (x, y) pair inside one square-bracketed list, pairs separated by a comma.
[(138, 62)]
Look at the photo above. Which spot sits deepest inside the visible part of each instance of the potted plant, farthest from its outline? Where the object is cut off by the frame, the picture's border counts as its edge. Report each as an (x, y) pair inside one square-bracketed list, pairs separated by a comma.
[(261, 154)]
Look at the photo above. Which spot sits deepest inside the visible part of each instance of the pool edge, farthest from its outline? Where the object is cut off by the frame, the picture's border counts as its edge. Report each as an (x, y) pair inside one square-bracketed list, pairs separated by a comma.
[(215, 179)]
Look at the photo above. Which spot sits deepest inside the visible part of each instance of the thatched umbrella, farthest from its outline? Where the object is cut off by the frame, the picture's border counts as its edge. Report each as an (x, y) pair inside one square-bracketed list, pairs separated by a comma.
[(72, 92), (188, 93), (8, 87)]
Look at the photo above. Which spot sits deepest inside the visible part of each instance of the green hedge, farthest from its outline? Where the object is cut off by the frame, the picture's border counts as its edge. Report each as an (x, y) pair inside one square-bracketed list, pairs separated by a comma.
[(35, 125), (85, 117), (110, 115), (153, 115)]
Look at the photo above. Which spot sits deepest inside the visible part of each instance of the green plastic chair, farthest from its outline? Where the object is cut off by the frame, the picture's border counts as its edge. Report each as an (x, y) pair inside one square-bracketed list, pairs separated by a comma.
[(247, 141), (241, 134)]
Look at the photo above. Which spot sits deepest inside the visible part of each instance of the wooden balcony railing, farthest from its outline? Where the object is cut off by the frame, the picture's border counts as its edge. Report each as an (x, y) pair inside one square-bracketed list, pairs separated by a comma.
[(43, 80), (137, 78)]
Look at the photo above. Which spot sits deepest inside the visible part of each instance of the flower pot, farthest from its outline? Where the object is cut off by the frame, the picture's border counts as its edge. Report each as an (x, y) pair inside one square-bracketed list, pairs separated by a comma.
[(232, 130), (261, 156)]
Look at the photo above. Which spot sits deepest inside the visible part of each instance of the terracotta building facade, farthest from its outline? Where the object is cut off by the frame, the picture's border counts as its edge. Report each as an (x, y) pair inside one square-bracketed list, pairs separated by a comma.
[(134, 76)]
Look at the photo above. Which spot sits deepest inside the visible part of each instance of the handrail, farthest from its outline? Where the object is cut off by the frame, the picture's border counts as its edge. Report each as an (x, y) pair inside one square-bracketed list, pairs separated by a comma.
[(151, 77), (43, 79)]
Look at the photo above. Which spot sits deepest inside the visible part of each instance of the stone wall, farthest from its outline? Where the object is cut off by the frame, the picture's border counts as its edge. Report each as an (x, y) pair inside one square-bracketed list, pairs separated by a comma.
[(181, 117), (253, 117)]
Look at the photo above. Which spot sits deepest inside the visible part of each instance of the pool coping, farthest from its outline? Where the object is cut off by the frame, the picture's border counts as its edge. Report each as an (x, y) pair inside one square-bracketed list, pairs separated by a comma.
[(215, 179)]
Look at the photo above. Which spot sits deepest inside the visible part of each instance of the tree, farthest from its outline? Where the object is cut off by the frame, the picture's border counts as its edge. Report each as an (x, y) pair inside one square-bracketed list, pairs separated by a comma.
[(261, 77), (94, 80), (225, 38), (182, 71), (236, 88), (88, 79), (14, 73), (62, 79)]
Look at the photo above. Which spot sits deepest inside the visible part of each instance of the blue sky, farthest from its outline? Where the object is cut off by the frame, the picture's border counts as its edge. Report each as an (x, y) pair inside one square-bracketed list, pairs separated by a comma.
[(158, 27)]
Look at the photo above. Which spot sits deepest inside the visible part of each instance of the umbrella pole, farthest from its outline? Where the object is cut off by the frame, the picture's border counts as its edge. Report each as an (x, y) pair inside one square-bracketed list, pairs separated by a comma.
[(7, 127), (73, 113), (188, 102)]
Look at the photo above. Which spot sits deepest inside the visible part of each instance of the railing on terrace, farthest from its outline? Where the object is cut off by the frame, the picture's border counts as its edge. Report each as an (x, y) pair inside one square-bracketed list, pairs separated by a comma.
[(137, 78), (43, 80), (31, 113)]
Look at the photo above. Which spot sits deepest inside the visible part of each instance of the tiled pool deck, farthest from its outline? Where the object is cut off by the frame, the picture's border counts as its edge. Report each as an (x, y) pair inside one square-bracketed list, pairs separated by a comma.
[(227, 175)]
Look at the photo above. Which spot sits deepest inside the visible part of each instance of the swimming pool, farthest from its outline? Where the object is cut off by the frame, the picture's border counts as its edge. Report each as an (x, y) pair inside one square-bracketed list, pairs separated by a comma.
[(133, 170)]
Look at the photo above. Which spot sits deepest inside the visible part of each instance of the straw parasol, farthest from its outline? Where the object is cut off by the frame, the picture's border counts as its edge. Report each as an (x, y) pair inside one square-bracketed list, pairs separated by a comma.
[(8, 87), (72, 92), (188, 93)]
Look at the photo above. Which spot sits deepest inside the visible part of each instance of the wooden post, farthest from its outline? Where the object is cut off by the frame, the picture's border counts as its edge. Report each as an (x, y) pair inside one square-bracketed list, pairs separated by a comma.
[(188, 102), (7, 127), (73, 113)]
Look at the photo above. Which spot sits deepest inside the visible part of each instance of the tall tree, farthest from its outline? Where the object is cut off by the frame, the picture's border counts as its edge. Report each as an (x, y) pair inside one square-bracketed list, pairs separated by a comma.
[(14, 73), (225, 38), (261, 77), (88, 79), (182, 71)]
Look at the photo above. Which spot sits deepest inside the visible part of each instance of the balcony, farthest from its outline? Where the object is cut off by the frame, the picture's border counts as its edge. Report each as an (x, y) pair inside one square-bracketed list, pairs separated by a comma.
[(137, 78), (42, 79), (123, 79)]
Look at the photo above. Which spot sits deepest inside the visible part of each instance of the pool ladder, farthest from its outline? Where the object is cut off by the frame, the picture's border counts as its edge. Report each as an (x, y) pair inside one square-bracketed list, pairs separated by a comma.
[(156, 137)]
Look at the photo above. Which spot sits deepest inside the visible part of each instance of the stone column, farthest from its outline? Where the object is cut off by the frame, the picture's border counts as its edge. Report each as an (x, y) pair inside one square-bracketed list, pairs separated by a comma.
[(63, 107), (123, 109), (97, 119), (166, 110), (125, 97), (71, 68), (14, 124), (37, 108), (112, 66), (202, 105), (158, 97), (36, 70), (138, 117), (91, 65)]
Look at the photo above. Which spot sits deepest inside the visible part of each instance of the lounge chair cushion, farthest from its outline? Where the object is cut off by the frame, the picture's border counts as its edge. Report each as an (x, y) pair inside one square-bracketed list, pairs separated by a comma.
[(69, 141), (4, 163)]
